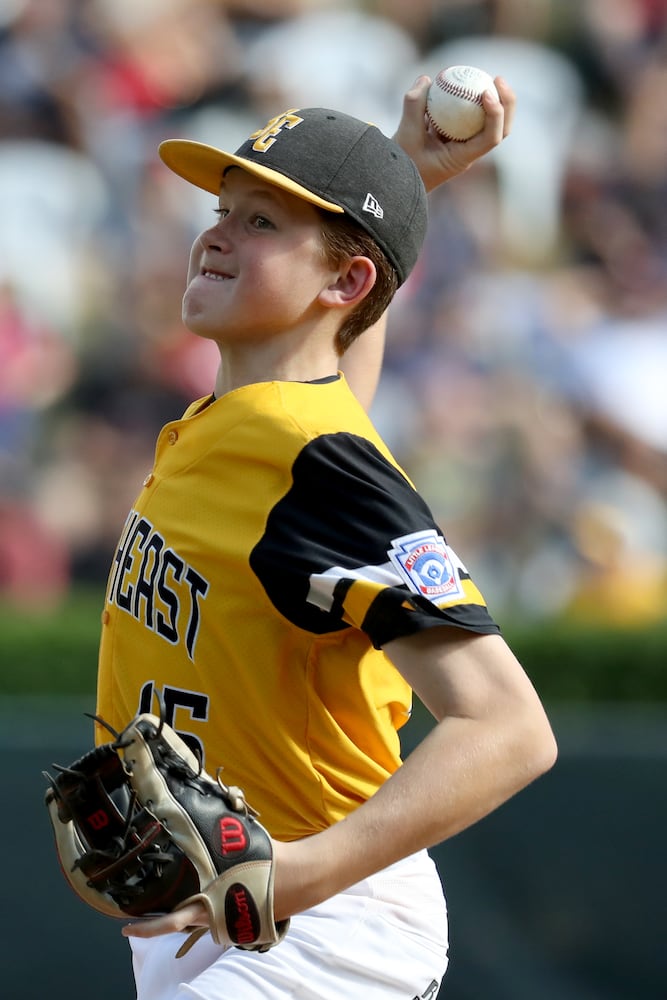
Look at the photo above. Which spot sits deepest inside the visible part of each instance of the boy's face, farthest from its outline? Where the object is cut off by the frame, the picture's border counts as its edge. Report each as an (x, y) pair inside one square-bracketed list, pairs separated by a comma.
[(260, 267)]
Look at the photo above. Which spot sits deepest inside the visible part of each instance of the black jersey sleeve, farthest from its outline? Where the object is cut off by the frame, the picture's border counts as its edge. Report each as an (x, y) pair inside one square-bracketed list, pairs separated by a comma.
[(353, 544)]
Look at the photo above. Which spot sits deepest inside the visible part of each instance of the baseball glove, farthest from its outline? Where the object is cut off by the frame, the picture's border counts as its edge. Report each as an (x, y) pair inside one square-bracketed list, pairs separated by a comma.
[(141, 830)]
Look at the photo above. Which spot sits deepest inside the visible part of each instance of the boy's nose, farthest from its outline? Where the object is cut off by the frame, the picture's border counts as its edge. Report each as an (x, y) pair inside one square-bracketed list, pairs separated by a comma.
[(216, 238)]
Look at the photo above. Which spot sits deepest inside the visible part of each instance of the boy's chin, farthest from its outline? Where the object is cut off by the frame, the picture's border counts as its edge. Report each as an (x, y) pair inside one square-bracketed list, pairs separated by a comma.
[(200, 329)]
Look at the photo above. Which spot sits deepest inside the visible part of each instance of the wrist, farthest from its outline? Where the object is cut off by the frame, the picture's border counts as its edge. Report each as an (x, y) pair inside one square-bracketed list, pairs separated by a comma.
[(305, 873)]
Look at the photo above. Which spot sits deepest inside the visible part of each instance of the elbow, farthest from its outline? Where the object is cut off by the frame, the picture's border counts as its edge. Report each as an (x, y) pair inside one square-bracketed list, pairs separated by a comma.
[(540, 750), (547, 755)]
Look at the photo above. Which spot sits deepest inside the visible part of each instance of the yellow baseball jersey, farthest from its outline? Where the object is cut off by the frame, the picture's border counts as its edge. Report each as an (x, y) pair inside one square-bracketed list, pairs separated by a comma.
[(274, 548)]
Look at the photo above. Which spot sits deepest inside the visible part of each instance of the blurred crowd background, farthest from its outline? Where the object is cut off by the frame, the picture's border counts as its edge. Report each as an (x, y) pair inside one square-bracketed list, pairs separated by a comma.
[(525, 384)]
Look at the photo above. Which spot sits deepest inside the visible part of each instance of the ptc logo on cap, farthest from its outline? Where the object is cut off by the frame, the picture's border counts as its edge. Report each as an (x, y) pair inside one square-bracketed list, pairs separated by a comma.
[(373, 206), (265, 137)]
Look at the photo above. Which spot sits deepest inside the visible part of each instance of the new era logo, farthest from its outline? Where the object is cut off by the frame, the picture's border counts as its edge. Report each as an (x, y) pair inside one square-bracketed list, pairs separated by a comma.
[(373, 206)]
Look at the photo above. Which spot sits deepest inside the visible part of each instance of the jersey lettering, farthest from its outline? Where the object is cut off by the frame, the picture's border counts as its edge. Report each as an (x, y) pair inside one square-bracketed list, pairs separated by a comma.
[(146, 581), (198, 588), (194, 703), (171, 572), (120, 554), (156, 586), (135, 542)]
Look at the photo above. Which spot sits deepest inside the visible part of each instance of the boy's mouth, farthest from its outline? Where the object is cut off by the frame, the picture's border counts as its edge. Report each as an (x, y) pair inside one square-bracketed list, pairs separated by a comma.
[(215, 275)]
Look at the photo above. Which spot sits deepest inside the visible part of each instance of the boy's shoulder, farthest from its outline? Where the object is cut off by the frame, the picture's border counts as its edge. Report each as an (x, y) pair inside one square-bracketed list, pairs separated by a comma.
[(301, 409), (274, 421)]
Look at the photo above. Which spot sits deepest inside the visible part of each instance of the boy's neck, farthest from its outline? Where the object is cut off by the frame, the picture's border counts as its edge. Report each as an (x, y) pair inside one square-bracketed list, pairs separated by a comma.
[(274, 362)]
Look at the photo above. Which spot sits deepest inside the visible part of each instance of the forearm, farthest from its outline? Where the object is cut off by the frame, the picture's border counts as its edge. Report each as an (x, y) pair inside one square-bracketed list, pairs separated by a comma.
[(464, 769)]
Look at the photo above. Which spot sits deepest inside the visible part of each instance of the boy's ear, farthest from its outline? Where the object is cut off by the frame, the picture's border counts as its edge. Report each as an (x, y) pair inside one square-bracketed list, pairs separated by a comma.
[(355, 280)]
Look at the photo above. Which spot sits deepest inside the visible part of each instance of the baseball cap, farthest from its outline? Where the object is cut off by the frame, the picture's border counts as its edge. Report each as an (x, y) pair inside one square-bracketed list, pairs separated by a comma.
[(332, 160)]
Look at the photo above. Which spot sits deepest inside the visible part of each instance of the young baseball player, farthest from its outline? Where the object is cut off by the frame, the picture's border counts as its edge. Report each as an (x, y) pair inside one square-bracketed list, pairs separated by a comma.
[(284, 587)]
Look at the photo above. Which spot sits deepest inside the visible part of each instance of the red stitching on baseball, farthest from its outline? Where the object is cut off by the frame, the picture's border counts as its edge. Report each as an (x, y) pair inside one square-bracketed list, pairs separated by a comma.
[(436, 127), (458, 91)]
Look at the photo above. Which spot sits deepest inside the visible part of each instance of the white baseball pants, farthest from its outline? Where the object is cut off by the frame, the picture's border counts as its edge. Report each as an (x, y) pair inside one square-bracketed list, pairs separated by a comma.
[(383, 939)]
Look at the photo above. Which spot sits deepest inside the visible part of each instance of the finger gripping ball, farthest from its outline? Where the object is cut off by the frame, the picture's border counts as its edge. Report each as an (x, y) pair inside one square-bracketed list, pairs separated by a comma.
[(454, 106)]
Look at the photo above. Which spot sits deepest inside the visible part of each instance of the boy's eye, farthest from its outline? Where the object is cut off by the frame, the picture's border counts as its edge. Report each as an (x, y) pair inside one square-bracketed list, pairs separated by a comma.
[(257, 221)]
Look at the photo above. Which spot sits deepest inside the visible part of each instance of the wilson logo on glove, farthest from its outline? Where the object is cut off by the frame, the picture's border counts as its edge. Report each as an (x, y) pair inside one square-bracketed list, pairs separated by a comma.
[(98, 820), (241, 915), (233, 838), (141, 829)]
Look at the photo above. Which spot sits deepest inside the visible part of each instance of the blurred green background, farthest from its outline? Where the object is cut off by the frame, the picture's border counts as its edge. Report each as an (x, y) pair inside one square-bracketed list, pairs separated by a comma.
[(55, 653)]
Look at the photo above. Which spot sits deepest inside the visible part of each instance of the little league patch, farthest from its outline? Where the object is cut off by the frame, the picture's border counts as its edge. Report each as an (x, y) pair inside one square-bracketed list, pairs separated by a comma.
[(427, 564)]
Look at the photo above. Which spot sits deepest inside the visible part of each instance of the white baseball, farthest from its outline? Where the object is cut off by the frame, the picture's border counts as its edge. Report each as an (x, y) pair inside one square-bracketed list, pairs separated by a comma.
[(454, 103)]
